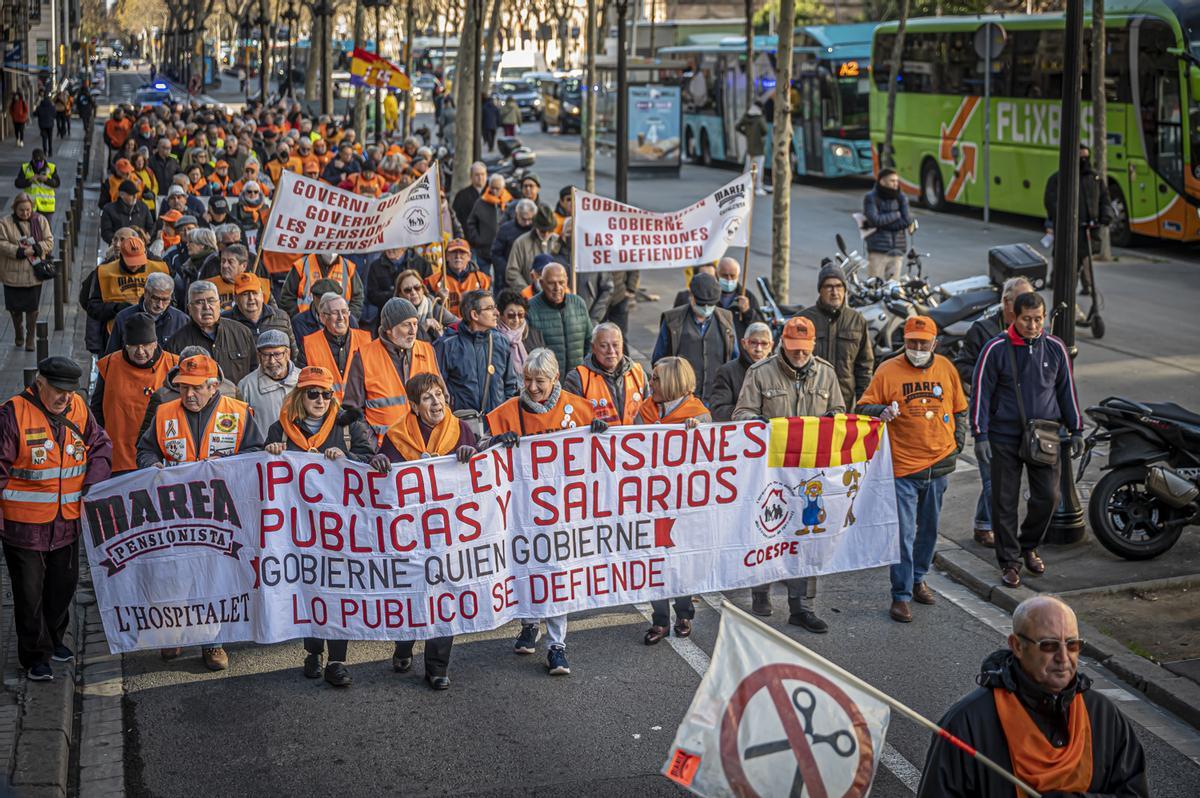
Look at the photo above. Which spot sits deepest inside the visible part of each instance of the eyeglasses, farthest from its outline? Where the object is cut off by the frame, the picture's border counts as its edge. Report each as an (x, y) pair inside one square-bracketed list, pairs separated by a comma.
[(1050, 645), (487, 308), (212, 303), (314, 395), (411, 289), (518, 315), (335, 314)]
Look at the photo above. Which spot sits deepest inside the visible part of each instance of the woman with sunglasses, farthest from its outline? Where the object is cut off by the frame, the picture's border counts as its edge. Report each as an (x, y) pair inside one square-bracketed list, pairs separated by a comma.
[(672, 401), (430, 430), (522, 337), (312, 421), (250, 212), (432, 316)]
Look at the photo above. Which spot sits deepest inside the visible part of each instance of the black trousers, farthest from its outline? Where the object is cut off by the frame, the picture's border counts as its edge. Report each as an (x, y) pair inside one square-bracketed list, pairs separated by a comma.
[(43, 585), (437, 653), (618, 314), (1006, 498), (801, 591), (684, 610), (47, 140), (337, 648)]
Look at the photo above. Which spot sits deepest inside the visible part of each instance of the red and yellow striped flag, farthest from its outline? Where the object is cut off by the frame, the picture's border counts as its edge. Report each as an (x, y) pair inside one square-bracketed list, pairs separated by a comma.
[(821, 442)]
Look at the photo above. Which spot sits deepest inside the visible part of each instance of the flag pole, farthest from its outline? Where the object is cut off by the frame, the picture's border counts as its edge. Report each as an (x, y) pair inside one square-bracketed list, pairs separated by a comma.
[(879, 695), (441, 239), (749, 228)]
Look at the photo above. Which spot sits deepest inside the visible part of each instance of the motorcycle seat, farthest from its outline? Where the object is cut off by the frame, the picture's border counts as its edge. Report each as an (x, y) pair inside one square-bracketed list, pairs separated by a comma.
[(1173, 412), (962, 306)]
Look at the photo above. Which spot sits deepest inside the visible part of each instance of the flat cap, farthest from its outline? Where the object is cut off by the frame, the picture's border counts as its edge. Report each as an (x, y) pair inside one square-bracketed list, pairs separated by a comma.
[(61, 372)]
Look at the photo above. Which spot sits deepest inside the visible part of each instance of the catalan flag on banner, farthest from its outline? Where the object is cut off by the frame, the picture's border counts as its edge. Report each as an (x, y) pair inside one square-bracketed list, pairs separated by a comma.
[(822, 442), (369, 69)]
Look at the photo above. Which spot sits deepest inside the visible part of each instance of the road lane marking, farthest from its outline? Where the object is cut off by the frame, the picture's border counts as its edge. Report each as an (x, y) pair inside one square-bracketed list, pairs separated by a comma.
[(908, 773)]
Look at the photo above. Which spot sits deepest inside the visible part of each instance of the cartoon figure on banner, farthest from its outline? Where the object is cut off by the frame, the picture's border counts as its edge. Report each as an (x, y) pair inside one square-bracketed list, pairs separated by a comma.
[(851, 478), (813, 514)]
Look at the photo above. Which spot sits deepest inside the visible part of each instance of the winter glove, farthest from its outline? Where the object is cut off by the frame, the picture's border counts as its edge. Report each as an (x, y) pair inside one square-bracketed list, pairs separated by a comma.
[(1076, 446), (599, 426), (381, 464), (20, 253), (506, 439), (983, 451), (464, 453)]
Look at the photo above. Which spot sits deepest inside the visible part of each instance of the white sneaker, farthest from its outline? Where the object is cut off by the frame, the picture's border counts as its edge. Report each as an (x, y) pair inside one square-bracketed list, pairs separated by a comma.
[(760, 193)]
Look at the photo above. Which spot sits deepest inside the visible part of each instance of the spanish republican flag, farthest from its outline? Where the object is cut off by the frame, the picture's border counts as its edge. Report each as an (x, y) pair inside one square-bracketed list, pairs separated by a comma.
[(822, 442), (368, 69)]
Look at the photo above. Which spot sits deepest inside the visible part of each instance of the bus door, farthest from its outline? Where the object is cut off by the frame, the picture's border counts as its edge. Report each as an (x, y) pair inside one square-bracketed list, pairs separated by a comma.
[(809, 122), (734, 103), (1156, 184)]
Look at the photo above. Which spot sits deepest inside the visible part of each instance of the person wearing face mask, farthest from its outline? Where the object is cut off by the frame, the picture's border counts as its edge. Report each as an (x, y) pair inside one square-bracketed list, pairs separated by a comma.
[(700, 332), (1023, 357), (921, 398), (842, 335), (743, 306), (792, 382), (1095, 210), (887, 215), (296, 295)]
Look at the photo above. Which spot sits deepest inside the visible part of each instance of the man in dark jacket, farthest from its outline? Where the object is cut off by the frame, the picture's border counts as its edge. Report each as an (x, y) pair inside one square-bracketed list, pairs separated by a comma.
[(562, 319), (85, 106), (125, 211), (229, 343), (474, 358), (727, 386), (307, 323), (842, 335), (1026, 716), (982, 331), (483, 221), (46, 114), (506, 236), (468, 195), (700, 332), (1043, 369), (1095, 210), (156, 303), (252, 311), (164, 164), (886, 210), (382, 274)]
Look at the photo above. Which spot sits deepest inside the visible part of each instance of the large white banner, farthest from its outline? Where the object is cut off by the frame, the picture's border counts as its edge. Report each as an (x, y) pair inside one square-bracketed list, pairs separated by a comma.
[(771, 718), (309, 215), (612, 236), (268, 548)]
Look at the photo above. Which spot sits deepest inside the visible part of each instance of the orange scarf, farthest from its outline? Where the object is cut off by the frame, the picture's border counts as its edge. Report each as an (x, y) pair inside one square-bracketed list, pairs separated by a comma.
[(296, 434), (1035, 761), (501, 200), (169, 241), (688, 408), (405, 435)]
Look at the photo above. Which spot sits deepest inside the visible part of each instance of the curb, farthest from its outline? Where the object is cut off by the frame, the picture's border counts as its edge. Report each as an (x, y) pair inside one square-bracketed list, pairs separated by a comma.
[(1177, 694)]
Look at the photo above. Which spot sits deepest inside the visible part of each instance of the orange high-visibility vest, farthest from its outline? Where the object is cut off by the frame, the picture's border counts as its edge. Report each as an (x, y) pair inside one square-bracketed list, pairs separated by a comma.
[(595, 390), (118, 285), (222, 435), (127, 391), (689, 408), (318, 353), (341, 270), (47, 474), (455, 288), (570, 411), (386, 403)]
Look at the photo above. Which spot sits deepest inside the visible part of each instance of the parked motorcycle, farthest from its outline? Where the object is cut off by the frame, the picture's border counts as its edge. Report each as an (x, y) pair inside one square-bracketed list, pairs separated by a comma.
[(1151, 487), (513, 163)]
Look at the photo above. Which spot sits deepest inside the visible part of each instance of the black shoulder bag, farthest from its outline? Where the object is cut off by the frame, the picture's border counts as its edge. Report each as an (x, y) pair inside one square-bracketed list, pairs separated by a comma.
[(1039, 438)]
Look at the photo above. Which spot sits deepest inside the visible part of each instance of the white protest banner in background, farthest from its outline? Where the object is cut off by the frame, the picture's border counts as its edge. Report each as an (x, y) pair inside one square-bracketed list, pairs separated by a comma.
[(269, 548), (772, 718), (308, 215), (609, 235)]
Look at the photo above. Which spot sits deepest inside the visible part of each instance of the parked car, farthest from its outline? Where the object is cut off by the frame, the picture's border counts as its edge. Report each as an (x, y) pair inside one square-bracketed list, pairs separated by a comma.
[(524, 92), (423, 87), (562, 101), (152, 95)]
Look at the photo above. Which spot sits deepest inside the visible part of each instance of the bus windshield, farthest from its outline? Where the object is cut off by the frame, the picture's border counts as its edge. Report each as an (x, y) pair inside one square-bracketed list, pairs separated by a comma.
[(853, 90)]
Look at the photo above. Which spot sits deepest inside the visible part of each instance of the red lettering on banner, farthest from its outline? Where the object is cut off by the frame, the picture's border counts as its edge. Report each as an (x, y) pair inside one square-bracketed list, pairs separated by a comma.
[(303, 473), (502, 501), (770, 552), (723, 477), (535, 496), (265, 526), (294, 225), (463, 514), (502, 594), (428, 518), (279, 472), (331, 531), (753, 431)]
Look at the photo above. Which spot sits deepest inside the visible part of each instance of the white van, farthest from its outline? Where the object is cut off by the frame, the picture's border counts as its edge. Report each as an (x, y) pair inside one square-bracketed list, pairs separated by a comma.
[(515, 63)]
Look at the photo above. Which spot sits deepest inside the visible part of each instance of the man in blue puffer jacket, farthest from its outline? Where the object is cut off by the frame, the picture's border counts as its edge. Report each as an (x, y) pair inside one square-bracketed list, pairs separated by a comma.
[(1048, 391), (462, 357), (886, 210)]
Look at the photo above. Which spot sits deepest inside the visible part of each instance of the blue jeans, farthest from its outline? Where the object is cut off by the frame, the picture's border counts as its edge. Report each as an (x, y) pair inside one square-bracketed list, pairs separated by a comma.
[(983, 507), (918, 505)]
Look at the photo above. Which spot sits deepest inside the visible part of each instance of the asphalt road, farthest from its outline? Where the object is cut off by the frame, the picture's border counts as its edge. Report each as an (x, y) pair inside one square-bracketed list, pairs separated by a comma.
[(506, 728)]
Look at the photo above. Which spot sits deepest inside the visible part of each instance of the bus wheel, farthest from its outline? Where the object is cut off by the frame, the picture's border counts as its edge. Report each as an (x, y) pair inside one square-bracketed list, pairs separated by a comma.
[(1119, 232), (705, 152), (932, 192)]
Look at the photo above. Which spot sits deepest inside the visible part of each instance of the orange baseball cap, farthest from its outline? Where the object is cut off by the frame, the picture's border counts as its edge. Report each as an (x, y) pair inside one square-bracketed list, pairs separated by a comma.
[(220, 164), (458, 245), (921, 328), (245, 282), (171, 217), (315, 377), (123, 166), (133, 251), (799, 335), (196, 370)]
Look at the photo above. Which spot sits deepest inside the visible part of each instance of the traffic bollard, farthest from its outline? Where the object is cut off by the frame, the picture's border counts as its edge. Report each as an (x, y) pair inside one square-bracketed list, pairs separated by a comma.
[(43, 340), (60, 299), (30, 373)]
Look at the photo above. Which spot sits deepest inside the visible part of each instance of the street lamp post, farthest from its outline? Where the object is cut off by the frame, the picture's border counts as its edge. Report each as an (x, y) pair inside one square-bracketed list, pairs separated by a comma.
[(622, 159), (324, 10), (291, 17), (378, 5)]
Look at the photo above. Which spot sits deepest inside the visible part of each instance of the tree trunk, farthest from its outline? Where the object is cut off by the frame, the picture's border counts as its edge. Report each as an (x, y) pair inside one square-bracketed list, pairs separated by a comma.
[(465, 96), (589, 98), (485, 85), (781, 158), (1100, 112), (749, 52), (327, 46), (314, 58), (360, 92), (406, 124), (886, 155), (267, 39)]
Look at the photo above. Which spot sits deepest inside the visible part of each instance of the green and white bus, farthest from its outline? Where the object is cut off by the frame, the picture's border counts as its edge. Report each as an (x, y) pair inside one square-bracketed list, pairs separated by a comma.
[(1152, 87)]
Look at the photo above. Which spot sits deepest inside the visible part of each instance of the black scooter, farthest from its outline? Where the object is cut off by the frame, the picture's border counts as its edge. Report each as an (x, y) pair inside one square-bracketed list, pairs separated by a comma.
[(1151, 487)]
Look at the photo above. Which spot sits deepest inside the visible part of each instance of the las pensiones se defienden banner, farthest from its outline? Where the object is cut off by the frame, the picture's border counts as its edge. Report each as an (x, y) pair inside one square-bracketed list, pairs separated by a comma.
[(269, 548)]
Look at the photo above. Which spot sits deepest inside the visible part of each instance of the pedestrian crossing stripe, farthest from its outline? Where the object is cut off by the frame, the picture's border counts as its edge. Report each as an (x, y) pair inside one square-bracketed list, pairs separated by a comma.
[(822, 442)]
